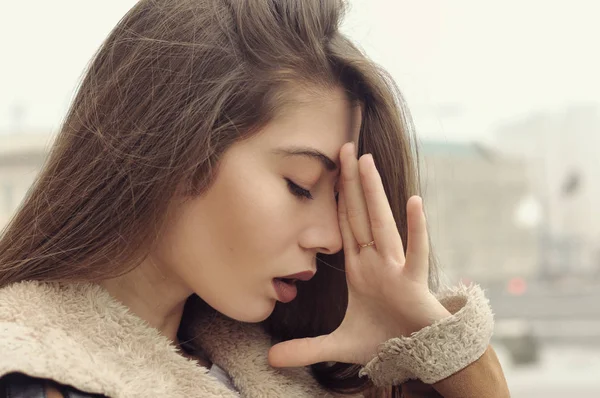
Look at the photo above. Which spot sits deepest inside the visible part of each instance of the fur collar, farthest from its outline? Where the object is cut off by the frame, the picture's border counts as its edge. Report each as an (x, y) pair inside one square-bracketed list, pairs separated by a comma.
[(79, 335)]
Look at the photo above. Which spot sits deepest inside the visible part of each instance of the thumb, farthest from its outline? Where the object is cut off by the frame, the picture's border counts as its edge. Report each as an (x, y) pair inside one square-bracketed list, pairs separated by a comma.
[(301, 352)]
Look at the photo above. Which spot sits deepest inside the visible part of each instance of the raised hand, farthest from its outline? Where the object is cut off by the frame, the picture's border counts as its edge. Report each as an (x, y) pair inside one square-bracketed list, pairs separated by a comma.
[(388, 294)]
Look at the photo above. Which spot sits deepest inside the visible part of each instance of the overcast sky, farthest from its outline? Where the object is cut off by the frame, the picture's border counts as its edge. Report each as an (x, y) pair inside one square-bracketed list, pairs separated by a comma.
[(463, 65)]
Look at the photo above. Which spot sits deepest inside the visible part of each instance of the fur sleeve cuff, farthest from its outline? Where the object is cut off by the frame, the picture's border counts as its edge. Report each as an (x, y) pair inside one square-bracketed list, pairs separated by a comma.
[(440, 350)]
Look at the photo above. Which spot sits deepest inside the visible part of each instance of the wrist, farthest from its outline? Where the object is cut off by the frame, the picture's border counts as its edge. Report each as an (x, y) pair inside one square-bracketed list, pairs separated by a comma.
[(441, 349), (431, 313)]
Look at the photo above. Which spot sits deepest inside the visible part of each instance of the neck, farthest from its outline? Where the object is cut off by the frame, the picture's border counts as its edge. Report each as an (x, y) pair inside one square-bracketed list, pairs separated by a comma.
[(153, 295)]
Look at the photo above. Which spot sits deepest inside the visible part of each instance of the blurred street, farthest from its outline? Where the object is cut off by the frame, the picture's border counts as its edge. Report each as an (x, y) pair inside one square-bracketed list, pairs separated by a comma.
[(563, 371), (563, 320)]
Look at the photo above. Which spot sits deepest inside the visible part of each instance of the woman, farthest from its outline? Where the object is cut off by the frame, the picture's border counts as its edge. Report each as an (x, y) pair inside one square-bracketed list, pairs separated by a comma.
[(185, 237)]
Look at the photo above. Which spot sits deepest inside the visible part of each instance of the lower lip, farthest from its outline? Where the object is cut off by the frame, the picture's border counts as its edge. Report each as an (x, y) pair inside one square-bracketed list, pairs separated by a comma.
[(286, 292)]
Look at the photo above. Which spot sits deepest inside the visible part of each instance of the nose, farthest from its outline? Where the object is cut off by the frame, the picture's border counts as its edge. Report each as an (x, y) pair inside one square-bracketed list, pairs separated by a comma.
[(323, 232)]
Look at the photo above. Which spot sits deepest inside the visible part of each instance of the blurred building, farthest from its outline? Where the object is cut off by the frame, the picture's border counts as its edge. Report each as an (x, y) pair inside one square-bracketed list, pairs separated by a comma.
[(475, 199), (562, 147), (21, 157)]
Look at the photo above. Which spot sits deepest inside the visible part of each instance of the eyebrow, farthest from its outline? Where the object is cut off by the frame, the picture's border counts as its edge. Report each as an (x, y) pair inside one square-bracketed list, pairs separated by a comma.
[(312, 153)]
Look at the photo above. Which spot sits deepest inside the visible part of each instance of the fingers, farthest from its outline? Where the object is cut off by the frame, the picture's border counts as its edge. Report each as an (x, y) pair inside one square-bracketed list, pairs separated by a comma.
[(356, 206), (349, 243), (365, 215), (417, 248), (381, 218)]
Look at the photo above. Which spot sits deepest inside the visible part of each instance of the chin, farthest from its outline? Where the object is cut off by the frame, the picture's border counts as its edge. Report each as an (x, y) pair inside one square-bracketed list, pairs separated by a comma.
[(255, 313)]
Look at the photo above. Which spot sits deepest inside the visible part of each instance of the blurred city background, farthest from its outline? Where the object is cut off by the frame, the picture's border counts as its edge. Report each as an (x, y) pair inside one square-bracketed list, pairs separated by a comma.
[(506, 101)]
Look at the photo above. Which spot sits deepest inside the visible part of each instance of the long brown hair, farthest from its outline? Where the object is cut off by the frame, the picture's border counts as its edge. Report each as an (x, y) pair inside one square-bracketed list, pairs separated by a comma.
[(171, 88)]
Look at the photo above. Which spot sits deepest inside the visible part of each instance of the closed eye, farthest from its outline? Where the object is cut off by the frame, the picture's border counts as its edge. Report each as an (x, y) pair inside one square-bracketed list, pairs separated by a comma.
[(297, 190)]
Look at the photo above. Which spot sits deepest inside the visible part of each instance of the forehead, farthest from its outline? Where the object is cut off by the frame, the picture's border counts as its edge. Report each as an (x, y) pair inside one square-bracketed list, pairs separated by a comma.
[(323, 119)]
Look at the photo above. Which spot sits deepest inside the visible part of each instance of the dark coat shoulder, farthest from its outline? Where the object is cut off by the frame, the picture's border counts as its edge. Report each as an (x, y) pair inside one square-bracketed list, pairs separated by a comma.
[(18, 385)]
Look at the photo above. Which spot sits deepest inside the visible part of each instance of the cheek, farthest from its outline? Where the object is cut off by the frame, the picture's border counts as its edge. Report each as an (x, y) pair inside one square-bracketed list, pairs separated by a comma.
[(256, 217), (250, 214)]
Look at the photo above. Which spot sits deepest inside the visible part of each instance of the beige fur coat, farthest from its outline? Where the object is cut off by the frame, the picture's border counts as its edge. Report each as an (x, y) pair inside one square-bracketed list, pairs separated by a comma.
[(79, 335)]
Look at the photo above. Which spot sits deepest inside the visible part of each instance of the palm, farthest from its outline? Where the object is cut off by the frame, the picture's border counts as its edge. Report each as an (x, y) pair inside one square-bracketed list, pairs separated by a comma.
[(388, 295)]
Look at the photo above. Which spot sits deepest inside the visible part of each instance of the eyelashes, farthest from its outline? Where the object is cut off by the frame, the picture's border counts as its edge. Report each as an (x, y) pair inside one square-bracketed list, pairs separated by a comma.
[(303, 193), (297, 190)]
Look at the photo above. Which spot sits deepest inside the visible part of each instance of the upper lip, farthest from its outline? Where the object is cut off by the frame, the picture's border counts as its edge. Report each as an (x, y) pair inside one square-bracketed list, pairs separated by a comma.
[(301, 276)]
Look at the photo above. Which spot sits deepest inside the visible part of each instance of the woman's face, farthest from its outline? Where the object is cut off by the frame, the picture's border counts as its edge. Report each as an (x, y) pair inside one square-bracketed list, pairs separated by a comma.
[(270, 210)]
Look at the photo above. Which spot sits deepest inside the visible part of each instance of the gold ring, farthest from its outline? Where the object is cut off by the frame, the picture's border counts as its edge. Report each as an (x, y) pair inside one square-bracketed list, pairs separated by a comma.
[(371, 243)]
